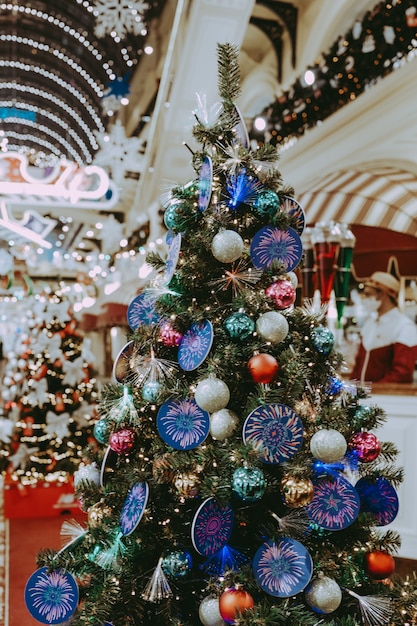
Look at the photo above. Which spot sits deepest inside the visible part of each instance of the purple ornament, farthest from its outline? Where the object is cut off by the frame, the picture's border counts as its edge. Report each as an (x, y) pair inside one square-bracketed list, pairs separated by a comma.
[(122, 441), (282, 292), (365, 446), (169, 336)]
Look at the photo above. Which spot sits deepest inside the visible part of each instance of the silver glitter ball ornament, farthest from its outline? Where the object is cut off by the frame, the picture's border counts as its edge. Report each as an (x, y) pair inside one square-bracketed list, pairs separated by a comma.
[(209, 612), (212, 394), (227, 246), (328, 445), (272, 326), (323, 595), (223, 423)]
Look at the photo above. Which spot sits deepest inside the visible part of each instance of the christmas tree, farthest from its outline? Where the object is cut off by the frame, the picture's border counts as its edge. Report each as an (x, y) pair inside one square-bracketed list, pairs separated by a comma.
[(240, 480), (49, 395)]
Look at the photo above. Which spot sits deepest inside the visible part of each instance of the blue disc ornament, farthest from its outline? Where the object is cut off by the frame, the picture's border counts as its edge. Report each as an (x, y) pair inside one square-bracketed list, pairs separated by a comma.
[(283, 568), (239, 326), (195, 345), (379, 498), (141, 311), (182, 424), (134, 507), (205, 182), (270, 244), (294, 210), (172, 257), (267, 203), (335, 504), (275, 431), (212, 527), (323, 339), (51, 597)]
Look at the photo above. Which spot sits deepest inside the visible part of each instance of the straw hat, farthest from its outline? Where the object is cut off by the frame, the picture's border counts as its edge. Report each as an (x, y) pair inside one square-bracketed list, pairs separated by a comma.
[(385, 282)]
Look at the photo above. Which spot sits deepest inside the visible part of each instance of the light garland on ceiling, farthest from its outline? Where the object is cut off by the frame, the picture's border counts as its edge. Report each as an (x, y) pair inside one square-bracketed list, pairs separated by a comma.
[(67, 29), (98, 89), (48, 132), (46, 113), (13, 119)]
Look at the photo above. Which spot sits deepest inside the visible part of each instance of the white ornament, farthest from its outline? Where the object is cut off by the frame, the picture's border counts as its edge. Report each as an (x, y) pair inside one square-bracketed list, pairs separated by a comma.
[(223, 424), (292, 277), (328, 446), (323, 595), (227, 246), (272, 326), (118, 153), (88, 472), (209, 612), (120, 16), (212, 394)]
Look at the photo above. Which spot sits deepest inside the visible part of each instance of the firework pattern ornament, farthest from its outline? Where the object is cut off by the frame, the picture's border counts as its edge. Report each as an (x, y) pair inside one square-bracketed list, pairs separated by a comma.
[(212, 527), (51, 598), (141, 311), (378, 498), (195, 345), (182, 424), (335, 504), (294, 210), (270, 244), (275, 431), (282, 569), (134, 507), (205, 182)]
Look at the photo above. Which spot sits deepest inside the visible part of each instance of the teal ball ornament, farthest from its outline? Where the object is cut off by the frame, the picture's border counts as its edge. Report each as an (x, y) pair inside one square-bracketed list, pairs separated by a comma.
[(323, 340), (102, 431), (239, 326), (248, 484), (179, 216), (267, 203), (151, 391), (177, 564)]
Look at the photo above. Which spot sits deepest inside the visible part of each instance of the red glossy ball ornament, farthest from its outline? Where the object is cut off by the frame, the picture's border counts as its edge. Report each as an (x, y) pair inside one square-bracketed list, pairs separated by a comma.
[(366, 446), (122, 441), (282, 292), (263, 368), (379, 564), (233, 600), (169, 336)]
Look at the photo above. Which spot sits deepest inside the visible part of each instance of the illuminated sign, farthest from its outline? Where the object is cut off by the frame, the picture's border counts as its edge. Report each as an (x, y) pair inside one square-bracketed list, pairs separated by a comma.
[(65, 183)]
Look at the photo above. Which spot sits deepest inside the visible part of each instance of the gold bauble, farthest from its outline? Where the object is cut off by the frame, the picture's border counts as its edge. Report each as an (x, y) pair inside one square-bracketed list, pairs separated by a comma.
[(97, 513), (296, 492), (186, 484)]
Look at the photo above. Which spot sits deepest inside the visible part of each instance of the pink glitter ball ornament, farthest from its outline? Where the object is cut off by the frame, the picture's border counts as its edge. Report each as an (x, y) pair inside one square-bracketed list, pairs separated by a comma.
[(365, 445), (282, 292), (122, 441), (169, 336)]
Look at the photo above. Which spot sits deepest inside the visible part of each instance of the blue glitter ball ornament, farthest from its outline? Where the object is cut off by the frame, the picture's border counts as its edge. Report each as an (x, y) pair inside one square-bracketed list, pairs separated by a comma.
[(177, 564), (239, 326), (323, 339), (248, 484), (151, 391), (267, 203), (102, 431)]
